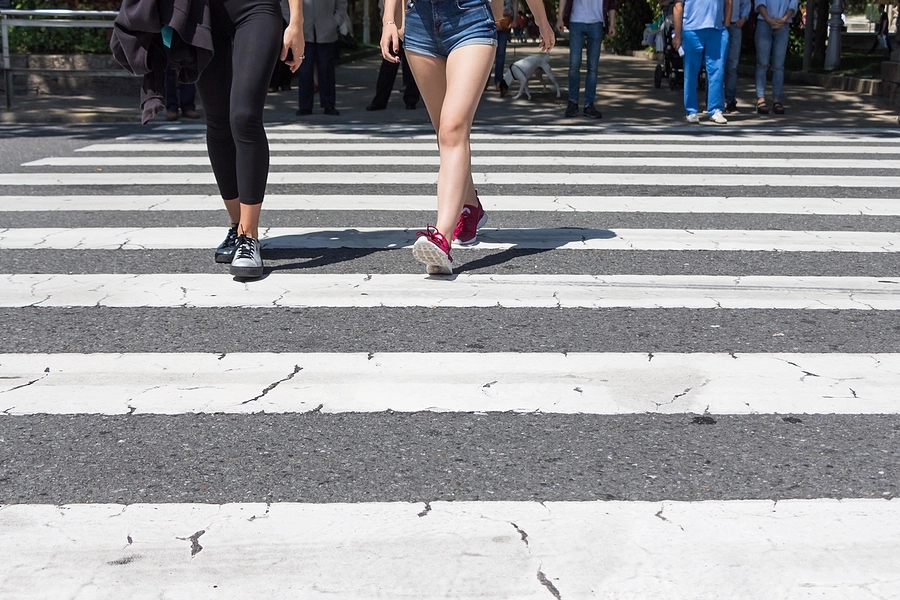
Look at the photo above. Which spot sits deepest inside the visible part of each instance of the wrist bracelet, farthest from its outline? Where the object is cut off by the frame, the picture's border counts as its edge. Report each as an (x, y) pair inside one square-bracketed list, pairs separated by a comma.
[(388, 23)]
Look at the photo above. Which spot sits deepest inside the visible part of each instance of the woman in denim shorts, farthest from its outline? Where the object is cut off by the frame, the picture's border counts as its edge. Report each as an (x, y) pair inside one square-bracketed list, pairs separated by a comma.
[(450, 47)]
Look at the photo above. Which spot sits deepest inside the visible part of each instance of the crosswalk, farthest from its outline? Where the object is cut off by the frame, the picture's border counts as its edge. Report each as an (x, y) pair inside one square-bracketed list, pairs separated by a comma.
[(668, 369)]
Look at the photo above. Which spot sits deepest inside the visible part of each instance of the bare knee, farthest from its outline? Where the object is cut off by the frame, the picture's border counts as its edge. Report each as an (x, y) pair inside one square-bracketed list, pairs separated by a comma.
[(453, 134)]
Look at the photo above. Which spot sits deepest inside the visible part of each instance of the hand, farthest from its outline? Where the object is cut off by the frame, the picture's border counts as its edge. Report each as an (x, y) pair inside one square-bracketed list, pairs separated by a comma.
[(740, 22), (560, 26), (612, 29), (548, 38), (390, 43), (293, 42), (676, 41)]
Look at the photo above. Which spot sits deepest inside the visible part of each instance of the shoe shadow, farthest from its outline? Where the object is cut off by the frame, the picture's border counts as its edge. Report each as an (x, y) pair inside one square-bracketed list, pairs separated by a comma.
[(322, 248), (529, 242)]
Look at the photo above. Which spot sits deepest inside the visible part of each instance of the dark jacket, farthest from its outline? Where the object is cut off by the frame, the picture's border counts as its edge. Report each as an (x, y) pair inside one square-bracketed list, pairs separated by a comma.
[(137, 45)]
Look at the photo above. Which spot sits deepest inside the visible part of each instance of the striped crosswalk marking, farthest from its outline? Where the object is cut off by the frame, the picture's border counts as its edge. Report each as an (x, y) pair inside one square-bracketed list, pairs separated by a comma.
[(758, 549), (478, 466), (512, 203), (575, 383), (112, 238)]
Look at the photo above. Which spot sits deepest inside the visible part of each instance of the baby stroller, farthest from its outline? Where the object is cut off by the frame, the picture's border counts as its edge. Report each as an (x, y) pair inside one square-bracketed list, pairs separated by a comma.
[(672, 67)]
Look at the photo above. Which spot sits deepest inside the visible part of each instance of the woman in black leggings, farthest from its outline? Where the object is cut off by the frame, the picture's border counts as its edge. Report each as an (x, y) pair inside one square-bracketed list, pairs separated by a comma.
[(247, 39)]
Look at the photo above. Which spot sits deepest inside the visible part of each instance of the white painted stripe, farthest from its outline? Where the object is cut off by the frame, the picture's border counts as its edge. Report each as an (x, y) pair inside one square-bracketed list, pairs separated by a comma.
[(502, 160), (118, 238), (396, 203), (513, 134), (465, 290), (400, 146), (752, 549), (572, 383), (430, 178)]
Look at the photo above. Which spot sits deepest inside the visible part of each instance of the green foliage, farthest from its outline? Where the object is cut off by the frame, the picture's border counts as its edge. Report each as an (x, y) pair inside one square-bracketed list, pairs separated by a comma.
[(51, 40), (631, 18)]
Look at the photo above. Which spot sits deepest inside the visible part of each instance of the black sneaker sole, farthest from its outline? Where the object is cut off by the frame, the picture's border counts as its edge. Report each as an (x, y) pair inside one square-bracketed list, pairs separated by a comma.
[(247, 272), (224, 258)]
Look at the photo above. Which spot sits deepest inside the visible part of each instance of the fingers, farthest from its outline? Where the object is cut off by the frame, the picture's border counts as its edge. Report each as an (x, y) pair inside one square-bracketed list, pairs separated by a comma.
[(390, 46)]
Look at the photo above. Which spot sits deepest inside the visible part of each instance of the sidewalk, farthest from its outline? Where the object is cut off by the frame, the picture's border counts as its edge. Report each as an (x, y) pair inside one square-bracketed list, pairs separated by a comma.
[(626, 96)]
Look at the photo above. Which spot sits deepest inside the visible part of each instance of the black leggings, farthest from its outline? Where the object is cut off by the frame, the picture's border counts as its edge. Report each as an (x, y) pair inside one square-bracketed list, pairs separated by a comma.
[(247, 38)]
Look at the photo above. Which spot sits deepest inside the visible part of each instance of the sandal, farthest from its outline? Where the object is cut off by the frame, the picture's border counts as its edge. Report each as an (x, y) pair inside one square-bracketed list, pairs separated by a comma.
[(761, 107), (777, 108)]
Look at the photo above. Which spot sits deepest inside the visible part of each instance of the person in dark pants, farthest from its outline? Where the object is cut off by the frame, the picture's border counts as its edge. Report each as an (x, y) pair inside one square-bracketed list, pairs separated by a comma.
[(247, 40), (321, 21), (179, 96), (504, 29), (387, 75)]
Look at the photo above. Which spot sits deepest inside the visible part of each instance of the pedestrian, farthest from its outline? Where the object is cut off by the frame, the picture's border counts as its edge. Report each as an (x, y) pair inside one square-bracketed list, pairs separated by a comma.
[(740, 12), (882, 32), (450, 45), (322, 19), (588, 21), (247, 40), (701, 30), (504, 28), (519, 28), (179, 97), (387, 75), (772, 35)]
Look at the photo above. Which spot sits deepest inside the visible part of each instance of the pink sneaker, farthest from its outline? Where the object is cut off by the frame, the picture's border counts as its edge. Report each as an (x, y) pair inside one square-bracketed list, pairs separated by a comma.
[(470, 221), (433, 250)]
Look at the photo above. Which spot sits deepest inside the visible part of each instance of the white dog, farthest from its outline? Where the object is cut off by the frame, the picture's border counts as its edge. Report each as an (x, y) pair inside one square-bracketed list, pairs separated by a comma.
[(530, 67)]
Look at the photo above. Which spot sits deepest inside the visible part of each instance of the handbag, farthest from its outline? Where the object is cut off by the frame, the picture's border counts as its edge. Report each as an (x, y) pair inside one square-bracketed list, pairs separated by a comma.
[(567, 13)]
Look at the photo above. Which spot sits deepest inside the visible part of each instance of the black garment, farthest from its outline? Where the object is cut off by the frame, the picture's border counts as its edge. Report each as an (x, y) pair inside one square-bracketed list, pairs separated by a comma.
[(137, 44), (387, 74), (248, 39), (281, 76), (324, 57), (179, 96)]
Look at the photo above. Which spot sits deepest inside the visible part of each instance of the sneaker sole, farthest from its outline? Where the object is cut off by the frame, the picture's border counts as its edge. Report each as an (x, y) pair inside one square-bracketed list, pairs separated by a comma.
[(481, 223), (224, 258), (250, 272), (434, 259)]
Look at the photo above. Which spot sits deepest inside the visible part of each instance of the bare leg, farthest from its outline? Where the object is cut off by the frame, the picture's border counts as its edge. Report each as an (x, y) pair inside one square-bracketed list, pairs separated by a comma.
[(462, 74), (233, 207), (249, 222)]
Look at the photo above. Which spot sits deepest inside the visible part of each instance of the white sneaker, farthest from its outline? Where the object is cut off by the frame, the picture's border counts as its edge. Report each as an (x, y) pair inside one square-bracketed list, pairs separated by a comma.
[(694, 118), (247, 261), (718, 118)]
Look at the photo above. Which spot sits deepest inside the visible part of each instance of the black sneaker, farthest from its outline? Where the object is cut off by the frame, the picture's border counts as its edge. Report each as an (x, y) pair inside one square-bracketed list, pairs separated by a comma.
[(247, 261), (571, 109), (731, 107), (332, 111), (590, 111), (225, 251), (303, 112)]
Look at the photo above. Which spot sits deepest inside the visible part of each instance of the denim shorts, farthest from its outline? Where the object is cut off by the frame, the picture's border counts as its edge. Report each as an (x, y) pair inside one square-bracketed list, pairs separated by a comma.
[(437, 27)]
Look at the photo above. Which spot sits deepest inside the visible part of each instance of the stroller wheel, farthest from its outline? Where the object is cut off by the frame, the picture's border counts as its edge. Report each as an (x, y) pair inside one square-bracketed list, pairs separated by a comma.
[(657, 76)]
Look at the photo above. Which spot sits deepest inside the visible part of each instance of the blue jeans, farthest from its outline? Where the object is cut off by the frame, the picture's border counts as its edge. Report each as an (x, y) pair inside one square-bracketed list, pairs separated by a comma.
[(713, 42), (438, 27), (731, 62), (500, 59), (578, 33), (771, 48)]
